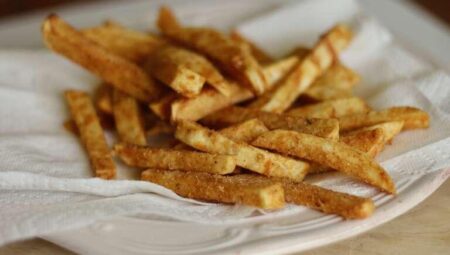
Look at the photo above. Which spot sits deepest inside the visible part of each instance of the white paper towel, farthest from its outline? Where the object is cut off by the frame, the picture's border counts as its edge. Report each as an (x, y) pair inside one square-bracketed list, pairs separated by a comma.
[(45, 183)]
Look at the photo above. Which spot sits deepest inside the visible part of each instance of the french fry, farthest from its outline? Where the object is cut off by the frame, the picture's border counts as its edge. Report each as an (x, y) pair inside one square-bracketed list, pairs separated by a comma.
[(390, 129), (264, 194), (324, 93), (277, 70), (370, 142), (333, 154), (208, 101), (260, 55), (232, 57), (119, 72), (413, 118), (232, 115), (307, 71), (91, 133), (103, 98), (341, 107), (128, 119), (246, 131), (162, 106), (169, 159), (132, 45), (160, 128), (338, 76), (247, 156)]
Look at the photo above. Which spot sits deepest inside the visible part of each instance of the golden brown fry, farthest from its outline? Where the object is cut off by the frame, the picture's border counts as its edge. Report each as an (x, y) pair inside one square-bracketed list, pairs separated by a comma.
[(208, 101), (338, 76), (169, 159), (119, 72), (246, 131), (132, 45), (390, 129), (71, 126), (262, 193), (127, 116), (161, 128), (333, 154), (413, 118), (233, 58), (83, 113), (103, 98), (247, 156), (259, 54), (340, 107), (232, 115), (162, 106), (307, 71), (370, 142), (279, 69), (322, 93)]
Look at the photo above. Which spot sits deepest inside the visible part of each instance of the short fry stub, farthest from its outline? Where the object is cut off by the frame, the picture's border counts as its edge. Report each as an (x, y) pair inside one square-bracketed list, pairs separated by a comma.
[(217, 188), (83, 113)]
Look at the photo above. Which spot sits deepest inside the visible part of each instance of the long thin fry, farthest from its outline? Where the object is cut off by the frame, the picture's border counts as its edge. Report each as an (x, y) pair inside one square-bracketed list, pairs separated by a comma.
[(307, 71), (413, 118), (279, 69), (226, 189), (337, 76), (88, 125), (324, 93), (247, 156), (233, 58), (232, 115), (390, 129), (370, 142), (162, 106), (341, 107), (119, 72), (103, 98), (246, 131), (333, 154), (169, 159), (128, 119)]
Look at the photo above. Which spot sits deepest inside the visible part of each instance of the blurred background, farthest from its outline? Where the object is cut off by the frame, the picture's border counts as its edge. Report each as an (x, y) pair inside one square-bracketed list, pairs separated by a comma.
[(8, 8)]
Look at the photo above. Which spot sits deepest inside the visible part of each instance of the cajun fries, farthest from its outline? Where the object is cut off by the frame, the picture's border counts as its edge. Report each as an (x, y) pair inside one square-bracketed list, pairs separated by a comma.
[(336, 155), (338, 107), (246, 131), (88, 125)]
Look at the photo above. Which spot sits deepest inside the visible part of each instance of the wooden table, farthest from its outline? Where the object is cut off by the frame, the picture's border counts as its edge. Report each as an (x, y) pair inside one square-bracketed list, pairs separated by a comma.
[(423, 230)]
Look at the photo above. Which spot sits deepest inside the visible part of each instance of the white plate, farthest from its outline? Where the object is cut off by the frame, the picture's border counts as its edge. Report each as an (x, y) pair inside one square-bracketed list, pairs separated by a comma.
[(301, 231)]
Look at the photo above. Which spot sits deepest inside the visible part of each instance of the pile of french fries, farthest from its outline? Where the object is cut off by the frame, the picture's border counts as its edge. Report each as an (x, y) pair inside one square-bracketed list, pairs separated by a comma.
[(248, 129)]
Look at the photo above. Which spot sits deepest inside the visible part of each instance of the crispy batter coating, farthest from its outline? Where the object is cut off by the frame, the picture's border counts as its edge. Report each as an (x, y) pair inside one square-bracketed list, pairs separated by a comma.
[(169, 159), (340, 107), (115, 70), (208, 101), (247, 156), (413, 118), (307, 71), (88, 125), (128, 119), (262, 193), (333, 154), (246, 131), (328, 128), (130, 44), (232, 56)]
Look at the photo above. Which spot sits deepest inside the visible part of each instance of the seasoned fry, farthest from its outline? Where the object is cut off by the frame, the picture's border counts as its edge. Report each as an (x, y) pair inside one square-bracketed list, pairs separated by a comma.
[(162, 106), (88, 125), (247, 156), (262, 193), (307, 71), (127, 116), (119, 72), (370, 142), (333, 154), (259, 54), (413, 118), (103, 98), (246, 131), (279, 69), (341, 107), (208, 101), (233, 58), (323, 93), (161, 128), (232, 115), (338, 76), (132, 45), (390, 129), (169, 159)]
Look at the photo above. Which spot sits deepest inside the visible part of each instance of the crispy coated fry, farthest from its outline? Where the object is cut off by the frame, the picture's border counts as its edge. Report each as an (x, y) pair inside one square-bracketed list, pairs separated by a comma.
[(132, 45), (162, 106), (161, 128), (341, 107), (279, 69), (390, 129), (413, 118), (232, 115), (123, 74), (235, 59), (127, 116), (103, 98), (83, 113), (246, 131), (323, 93), (307, 71), (226, 189), (338, 76), (370, 142), (247, 156), (333, 154), (208, 101), (259, 54), (169, 159)]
